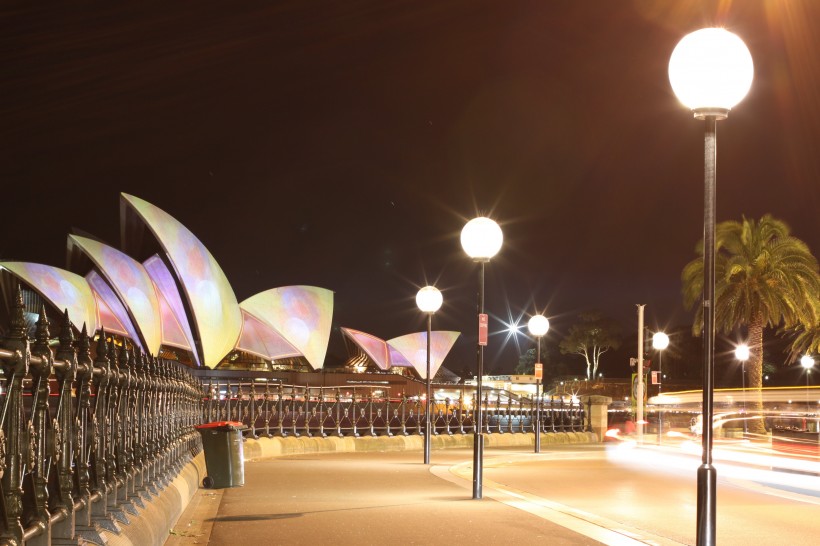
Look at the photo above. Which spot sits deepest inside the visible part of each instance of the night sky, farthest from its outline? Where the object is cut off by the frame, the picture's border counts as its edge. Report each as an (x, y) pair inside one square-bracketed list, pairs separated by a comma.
[(345, 144)]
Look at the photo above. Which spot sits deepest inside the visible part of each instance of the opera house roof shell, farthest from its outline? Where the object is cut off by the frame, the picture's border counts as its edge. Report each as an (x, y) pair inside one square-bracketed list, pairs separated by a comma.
[(409, 351), (179, 297)]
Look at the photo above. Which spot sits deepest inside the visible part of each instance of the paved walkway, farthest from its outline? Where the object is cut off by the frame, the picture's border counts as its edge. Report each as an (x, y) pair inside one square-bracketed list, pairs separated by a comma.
[(374, 498)]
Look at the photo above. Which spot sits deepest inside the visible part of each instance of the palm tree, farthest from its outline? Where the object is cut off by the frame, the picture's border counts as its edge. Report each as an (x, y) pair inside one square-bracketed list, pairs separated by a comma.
[(763, 277), (805, 340)]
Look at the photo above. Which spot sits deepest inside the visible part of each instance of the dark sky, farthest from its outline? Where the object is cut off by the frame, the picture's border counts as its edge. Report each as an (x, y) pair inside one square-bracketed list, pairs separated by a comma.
[(345, 144)]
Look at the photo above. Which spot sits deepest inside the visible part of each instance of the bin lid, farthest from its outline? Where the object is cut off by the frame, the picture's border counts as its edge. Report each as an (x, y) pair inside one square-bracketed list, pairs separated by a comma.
[(221, 424)]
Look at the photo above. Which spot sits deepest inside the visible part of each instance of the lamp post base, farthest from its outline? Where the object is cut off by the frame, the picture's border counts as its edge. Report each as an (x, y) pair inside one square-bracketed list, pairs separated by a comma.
[(478, 463), (707, 480)]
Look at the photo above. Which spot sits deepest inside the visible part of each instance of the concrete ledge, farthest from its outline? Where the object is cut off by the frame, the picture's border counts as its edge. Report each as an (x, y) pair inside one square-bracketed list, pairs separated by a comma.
[(151, 524), (266, 448)]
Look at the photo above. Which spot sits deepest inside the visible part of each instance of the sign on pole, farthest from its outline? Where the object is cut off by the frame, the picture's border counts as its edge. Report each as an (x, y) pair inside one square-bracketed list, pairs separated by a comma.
[(483, 327), (656, 378), (539, 370)]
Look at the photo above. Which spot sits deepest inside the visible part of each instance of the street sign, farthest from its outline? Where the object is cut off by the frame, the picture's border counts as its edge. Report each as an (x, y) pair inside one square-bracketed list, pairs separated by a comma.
[(483, 327), (539, 370), (656, 378)]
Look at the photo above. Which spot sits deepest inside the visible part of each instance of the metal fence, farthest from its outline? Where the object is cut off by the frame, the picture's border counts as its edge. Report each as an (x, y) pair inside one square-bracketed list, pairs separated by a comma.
[(269, 408), (85, 441), (89, 436)]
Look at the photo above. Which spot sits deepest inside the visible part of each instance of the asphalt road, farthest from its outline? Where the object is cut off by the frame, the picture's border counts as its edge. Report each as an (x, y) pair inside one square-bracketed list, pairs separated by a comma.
[(651, 494)]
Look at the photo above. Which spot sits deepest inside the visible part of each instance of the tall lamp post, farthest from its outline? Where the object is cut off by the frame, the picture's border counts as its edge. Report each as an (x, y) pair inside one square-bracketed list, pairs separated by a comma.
[(660, 341), (742, 354), (710, 71), (481, 239), (538, 326), (429, 301), (808, 363)]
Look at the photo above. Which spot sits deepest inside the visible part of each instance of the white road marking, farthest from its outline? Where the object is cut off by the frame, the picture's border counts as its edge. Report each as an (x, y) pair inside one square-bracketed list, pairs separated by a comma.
[(590, 525)]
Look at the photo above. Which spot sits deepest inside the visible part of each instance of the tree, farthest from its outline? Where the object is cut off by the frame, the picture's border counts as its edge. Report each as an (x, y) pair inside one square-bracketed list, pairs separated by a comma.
[(553, 367), (593, 335), (526, 362), (763, 277), (805, 340)]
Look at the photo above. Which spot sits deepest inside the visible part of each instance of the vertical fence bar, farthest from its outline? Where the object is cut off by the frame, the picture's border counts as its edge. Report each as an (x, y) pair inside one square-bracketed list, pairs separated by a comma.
[(62, 501), (15, 369)]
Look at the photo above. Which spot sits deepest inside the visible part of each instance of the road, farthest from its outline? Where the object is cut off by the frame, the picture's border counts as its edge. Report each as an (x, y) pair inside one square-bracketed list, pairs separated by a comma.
[(650, 494)]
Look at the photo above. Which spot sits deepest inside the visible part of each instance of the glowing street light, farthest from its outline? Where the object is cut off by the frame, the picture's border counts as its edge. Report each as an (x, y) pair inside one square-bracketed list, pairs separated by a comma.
[(808, 363), (710, 71), (660, 341), (429, 300), (538, 326), (481, 239), (742, 354)]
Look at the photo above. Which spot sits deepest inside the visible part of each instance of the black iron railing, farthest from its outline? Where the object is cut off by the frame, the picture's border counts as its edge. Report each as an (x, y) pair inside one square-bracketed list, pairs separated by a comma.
[(269, 408), (89, 432), (92, 429)]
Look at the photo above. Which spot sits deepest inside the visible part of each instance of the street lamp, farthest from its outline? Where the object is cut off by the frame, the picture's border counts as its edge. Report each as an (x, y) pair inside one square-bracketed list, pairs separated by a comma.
[(429, 301), (808, 363), (481, 239), (710, 71), (660, 341), (538, 326), (742, 354)]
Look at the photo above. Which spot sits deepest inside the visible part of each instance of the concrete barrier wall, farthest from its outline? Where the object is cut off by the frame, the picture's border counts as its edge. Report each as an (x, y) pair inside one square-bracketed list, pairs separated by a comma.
[(266, 448), (151, 524)]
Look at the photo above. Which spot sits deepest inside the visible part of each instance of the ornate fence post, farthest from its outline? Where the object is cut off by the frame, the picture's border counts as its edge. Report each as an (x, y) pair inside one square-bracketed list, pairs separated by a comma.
[(44, 433), (112, 428), (151, 404), (322, 414), (404, 414), (370, 412), (509, 414), (140, 433), (308, 414), (62, 501), (16, 440), (417, 411), (461, 411), (228, 396), (279, 415), (124, 464), (210, 406), (83, 435), (487, 406), (252, 412), (101, 374), (562, 412), (266, 410), (388, 418), (338, 413), (167, 422)]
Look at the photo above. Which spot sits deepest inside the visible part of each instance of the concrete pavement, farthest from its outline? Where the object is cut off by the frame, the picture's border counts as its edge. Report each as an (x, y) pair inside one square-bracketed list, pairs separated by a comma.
[(373, 497)]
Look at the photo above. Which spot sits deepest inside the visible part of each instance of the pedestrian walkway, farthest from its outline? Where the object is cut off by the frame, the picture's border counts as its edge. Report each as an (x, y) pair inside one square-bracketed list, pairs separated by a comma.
[(375, 498)]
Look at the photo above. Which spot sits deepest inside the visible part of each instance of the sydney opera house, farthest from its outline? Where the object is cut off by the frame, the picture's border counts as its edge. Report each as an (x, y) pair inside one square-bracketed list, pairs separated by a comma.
[(165, 292)]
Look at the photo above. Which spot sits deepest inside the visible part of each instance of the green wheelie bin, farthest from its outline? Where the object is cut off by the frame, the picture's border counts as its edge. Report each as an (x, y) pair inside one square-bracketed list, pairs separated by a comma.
[(224, 457)]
